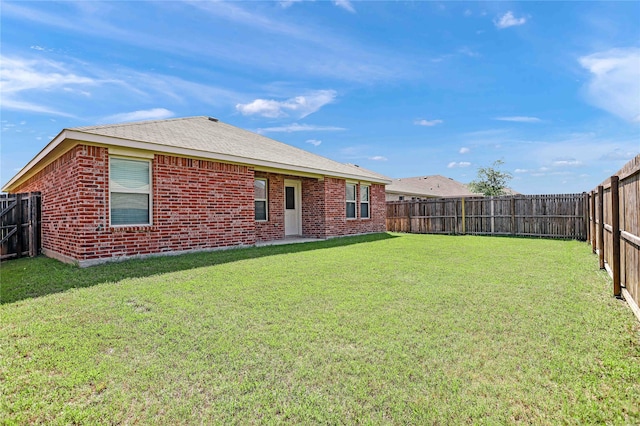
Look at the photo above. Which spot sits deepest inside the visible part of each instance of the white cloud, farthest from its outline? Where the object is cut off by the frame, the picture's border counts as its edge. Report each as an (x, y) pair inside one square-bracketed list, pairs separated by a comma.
[(453, 164), (521, 171), (468, 52), (21, 74), (618, 154), (28, 84), (149, 114), (284, 47), (345, 4), (287, 3), (300, 106), (160, 86), (295, 127), (567, 162), (378, 158), (314, 142), (263, 107), (464, 150), (508, 20), (80, 92), (467, 12), (520, 119), (615, 81), (428, 123), (8, 103), (40, 85), (36, 47)]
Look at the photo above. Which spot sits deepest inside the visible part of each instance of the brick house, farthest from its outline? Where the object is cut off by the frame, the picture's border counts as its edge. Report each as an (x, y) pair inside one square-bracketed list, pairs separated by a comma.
[(170, 186)]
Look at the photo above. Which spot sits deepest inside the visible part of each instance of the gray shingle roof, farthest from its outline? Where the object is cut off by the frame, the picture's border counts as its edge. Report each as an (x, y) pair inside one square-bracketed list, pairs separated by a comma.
[(212, 137)]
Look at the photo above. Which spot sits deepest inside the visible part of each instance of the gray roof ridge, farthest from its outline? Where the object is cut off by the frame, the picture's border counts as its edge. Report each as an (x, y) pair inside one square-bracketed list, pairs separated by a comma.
[(133, 123), (423, 176)]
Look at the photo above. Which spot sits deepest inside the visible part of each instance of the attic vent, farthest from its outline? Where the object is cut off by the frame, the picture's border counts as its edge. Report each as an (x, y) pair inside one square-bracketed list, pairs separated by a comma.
[(215, 120)]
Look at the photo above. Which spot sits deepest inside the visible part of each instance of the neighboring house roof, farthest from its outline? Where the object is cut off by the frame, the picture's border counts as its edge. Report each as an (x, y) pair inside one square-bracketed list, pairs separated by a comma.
[(201, 137), (429, 186), (509, 191)]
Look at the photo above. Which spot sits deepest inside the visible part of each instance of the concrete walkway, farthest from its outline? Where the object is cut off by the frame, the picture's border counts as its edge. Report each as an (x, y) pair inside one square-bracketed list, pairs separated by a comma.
[(294, 239)]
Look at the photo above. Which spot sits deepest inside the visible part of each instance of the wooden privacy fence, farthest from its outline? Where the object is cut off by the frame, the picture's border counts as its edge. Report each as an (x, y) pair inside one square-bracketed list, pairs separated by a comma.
[(549, 216), (614, 213), (19, 225)]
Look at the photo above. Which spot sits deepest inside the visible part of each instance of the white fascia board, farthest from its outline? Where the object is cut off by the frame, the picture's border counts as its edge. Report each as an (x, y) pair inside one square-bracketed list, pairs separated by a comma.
[(37, 159)]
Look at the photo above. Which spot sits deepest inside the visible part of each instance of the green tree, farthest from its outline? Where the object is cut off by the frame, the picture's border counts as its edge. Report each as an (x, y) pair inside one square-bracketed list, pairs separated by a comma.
[(491, 180)]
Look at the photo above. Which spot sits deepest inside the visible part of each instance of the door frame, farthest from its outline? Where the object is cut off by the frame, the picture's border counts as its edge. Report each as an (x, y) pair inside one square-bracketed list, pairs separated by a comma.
[(297, 185)]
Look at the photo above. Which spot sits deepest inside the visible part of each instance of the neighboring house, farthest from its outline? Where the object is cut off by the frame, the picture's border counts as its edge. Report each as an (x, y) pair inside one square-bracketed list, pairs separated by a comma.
[(116, 191), (435, 186)]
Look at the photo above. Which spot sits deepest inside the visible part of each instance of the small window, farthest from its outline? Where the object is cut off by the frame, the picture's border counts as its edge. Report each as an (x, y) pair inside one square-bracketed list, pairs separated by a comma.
[(260, 197), (351, 201), (364, 201), (290, 197), (130, 191)]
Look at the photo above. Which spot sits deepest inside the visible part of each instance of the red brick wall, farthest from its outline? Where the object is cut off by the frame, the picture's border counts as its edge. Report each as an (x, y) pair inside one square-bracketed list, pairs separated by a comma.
[(335, 210), (273, 227), (60, 200), (312, 207), (197, 204)]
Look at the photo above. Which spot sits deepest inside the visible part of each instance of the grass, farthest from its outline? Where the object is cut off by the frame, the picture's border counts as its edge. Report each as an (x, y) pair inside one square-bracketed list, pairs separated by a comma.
[(383, 329)]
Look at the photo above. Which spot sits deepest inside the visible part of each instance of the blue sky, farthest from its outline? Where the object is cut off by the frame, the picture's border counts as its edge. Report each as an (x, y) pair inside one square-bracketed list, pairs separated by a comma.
[(402, 88)]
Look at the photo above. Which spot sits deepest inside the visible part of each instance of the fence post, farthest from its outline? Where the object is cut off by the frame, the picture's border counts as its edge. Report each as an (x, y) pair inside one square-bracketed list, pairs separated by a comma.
[(455, 223), (592, 223), (601, 225), (18, 225), (615, 225), (513, 215), (463, 218), (493, 217), (585, 213), (33, 225)]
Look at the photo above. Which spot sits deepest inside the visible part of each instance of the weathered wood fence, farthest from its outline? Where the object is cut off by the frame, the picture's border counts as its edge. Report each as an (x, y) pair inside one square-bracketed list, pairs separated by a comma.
[(614, 212), (548, 216), (19, 225)]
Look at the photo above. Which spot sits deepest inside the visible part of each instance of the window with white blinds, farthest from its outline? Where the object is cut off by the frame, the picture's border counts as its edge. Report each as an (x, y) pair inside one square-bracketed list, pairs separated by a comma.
[(260, 198), (351, 200), (130, 191), (365, 193)]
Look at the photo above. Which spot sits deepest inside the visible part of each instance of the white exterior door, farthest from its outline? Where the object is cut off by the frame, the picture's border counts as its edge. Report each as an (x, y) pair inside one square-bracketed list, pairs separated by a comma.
[(292, 207)]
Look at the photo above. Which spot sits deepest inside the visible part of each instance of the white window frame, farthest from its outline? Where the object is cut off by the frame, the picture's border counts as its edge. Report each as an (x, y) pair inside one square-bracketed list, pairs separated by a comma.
[(367, 202), (265, 200), (149, 192), (354, 201)]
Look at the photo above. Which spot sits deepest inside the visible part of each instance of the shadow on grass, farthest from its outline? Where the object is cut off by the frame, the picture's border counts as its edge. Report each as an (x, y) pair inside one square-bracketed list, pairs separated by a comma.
[(34, 277)]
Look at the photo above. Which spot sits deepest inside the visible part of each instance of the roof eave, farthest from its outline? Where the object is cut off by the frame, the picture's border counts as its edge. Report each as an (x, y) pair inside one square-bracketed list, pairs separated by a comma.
[(55, 142), (92, 138)]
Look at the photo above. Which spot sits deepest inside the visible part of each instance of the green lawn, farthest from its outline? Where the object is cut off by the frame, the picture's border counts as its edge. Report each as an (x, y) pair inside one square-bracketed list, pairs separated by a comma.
[(382, 329)]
